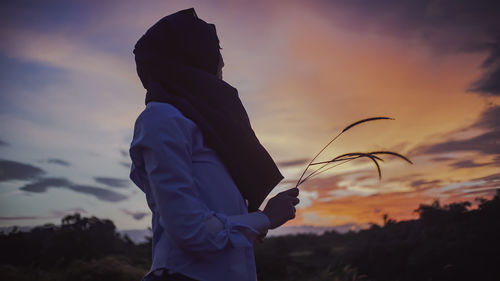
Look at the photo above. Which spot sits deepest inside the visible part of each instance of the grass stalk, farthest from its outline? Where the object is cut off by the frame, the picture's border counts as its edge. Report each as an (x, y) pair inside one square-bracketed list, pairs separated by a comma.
[(347, 157)]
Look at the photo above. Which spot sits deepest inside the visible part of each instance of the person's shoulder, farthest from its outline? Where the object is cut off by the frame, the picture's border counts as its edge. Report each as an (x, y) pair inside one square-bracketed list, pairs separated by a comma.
[(158, 115), (159, 110)]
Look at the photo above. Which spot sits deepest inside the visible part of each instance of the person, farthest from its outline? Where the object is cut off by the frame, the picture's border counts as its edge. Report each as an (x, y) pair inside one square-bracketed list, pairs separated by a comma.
[(197, 159)]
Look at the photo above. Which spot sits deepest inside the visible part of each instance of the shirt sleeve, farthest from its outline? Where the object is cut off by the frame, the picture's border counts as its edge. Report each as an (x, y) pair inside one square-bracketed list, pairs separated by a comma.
[(257, 223), (166, 147)]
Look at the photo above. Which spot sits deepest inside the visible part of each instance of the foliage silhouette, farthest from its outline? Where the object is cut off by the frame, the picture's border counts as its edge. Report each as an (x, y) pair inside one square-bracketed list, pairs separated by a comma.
[(450, 242), (51, 252), (446, 243)]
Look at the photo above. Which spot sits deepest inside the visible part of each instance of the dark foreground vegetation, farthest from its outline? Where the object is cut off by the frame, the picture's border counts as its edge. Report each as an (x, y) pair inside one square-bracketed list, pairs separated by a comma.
[(446, 243)]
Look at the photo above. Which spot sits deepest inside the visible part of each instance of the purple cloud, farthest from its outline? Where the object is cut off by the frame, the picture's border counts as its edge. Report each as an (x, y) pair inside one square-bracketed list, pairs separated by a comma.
[(139, 215), (112, 182), (58, 162), (43, 184), (13, 170)]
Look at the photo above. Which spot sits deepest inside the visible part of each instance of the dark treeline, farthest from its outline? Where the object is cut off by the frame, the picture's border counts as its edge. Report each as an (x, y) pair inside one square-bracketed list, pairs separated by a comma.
[(447, 242), (79, 249)]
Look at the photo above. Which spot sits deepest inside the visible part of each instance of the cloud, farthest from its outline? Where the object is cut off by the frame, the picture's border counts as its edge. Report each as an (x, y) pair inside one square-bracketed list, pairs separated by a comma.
[(485, 143), (318, 230), (58, 162), (43, 184), (486, 185), (467, 164), (291, 163), (125, 161), (112, 182), (490, 119), (124, 153), (62, 213), (99, 193), (139, 215), (490, 178), (54, 214), (489, 83), (12, 218), (482, 192), (12, 170), (447, 26), (3, 143), (66, 52), (399, 205), (425, 184), (340, 185), (125, 164), (362, 209), (442, 159), (320, 184)]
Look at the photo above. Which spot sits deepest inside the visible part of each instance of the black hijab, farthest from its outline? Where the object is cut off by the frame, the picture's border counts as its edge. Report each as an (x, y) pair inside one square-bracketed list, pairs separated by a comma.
[(177, 61)]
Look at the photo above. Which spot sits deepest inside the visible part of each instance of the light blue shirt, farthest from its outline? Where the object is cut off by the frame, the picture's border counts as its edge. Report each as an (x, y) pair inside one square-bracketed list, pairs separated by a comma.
[(201, 226)]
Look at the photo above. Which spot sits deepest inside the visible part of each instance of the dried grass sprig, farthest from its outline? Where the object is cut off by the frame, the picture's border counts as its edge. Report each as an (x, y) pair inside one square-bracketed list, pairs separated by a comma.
[(321, 170), (347, 157), (365, 120), (392, 153)]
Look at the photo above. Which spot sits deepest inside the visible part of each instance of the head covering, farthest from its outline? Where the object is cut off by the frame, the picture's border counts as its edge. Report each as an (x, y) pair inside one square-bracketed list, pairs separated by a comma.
[(177, 61)]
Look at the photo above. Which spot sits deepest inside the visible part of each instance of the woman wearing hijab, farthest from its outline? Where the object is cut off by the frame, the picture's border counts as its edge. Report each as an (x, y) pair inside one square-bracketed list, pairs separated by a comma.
[(197, 159)]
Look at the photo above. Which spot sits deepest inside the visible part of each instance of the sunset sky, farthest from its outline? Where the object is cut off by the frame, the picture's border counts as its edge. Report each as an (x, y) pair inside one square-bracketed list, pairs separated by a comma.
[(303, 69)]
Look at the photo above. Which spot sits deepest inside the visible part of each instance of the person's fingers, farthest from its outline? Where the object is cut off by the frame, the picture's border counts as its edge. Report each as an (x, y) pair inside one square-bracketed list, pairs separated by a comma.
[(291, 192), (294, 200)]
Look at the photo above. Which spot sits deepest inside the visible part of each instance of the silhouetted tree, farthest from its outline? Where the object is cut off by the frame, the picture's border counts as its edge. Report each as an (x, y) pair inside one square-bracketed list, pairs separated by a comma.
[(450, 242)]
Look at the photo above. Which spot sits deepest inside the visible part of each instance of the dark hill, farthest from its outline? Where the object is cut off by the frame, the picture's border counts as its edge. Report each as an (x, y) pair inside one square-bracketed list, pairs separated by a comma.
[(447, 242)]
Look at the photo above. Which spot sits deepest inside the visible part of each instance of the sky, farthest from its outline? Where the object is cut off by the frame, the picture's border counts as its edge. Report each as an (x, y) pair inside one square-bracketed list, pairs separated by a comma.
[(69, 97)]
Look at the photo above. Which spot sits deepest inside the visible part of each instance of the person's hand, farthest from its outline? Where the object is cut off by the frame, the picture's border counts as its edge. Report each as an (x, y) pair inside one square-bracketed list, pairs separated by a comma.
[(281, 207)]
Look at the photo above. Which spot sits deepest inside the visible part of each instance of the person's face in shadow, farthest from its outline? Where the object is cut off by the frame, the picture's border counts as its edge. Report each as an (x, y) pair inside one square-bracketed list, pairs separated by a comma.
[(219, 68)]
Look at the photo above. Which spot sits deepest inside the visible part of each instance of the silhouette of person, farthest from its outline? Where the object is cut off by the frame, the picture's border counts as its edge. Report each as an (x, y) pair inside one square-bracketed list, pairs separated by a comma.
[(197, 159)]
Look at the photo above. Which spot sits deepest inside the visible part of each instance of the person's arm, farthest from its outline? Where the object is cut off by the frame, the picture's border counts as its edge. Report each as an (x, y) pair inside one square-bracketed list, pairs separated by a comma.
[(164, 142), (256, 220)]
